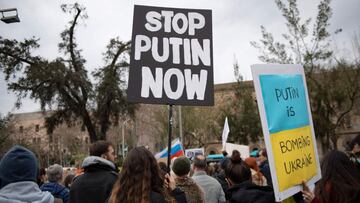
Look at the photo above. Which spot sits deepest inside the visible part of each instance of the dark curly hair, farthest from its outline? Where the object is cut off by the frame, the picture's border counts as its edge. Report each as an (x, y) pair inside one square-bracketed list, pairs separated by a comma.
[(139, 176)]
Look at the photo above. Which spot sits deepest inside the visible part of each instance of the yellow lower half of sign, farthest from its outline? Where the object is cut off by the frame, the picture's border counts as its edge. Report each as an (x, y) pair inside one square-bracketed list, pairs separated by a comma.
[(294, 156)]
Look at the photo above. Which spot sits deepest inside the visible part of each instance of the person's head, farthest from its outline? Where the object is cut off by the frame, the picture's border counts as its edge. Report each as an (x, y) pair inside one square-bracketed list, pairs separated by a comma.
[(262, 155), (54, 173), (224, 153), (355, 144), (236, 153), (210, 169), (163, 167), (69, 179), (199, 163), (340, 180), (18, 164), (251, 162), (181, 166), (41, 176), (254, 152), (139, 176), (103, 149), (237, 171)]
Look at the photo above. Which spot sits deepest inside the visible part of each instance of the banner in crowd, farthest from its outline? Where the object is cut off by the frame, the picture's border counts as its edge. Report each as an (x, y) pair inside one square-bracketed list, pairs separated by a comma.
[(288, 130), (243, 149), (177, 150), (191, 153), (171, 58)]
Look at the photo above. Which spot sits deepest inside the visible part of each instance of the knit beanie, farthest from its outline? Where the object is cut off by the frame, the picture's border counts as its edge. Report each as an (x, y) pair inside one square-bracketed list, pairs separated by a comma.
[(181, 166), (18, 164)]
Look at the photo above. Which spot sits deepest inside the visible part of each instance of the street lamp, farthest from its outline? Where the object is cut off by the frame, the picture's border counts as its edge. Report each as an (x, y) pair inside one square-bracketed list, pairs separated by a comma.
[(9, 15)]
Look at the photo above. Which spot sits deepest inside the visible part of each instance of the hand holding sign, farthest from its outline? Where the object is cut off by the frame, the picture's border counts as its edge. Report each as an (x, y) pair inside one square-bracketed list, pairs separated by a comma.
[(287, 126), (307, 194)]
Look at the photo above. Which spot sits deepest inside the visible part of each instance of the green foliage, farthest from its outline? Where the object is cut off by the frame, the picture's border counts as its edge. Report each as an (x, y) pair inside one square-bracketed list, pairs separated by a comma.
[(333, 88), (63, 84), (242, 113), (300, 46), (198, 125)]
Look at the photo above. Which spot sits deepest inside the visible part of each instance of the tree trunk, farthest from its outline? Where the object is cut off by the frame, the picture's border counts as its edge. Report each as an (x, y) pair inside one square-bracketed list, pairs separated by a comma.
[(90, 127), (334, 140)]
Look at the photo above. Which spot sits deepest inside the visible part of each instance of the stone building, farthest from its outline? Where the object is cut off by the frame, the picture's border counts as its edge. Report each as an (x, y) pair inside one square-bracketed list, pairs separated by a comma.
[(144, 130)]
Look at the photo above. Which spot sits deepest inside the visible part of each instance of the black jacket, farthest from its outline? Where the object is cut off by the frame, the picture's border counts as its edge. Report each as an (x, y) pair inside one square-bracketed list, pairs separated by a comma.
[(178, 194), (265, 170), (220, 176), (95, 185), (248, 192)]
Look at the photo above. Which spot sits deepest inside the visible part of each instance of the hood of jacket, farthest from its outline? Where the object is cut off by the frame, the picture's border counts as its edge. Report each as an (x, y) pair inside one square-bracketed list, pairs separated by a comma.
[(24, 192), (95, 160), (184, 181), (18, 164)]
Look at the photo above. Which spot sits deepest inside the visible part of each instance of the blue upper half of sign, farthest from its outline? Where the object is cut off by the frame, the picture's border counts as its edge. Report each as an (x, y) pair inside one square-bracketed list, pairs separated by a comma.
[(285, 101)]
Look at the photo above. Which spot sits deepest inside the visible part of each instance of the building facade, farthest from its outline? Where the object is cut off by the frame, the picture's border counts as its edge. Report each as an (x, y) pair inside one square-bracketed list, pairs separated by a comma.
[(145, 130)]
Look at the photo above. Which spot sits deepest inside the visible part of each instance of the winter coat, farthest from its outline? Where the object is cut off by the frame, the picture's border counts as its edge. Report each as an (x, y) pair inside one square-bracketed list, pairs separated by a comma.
[(24, 192), (248, 192), (57, 190), (258, 178), (265, 170), (178, 194), (193, 192), (95, 185)]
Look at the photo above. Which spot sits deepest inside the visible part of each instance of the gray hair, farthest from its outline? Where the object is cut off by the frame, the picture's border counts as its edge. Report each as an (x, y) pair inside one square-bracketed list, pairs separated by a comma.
[(54, 173)]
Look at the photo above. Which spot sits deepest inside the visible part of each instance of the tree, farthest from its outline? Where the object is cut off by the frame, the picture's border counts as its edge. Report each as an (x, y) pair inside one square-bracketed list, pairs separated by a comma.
[(6, 129), (333, 88), (64, 83), (242, 113), (198, 125)]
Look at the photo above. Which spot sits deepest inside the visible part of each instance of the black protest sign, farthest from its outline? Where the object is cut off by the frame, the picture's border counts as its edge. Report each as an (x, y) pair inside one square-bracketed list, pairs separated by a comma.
[(171, 57)]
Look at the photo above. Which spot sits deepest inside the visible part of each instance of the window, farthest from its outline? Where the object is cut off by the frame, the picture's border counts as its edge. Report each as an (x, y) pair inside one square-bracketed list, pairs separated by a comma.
[(86, 140), (34, 140), (21, 129), (37, 127), (50, 138), (38, 140)]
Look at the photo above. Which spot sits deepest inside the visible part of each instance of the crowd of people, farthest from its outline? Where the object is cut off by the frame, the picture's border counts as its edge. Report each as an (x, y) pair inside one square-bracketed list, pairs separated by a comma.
[(142, 179)]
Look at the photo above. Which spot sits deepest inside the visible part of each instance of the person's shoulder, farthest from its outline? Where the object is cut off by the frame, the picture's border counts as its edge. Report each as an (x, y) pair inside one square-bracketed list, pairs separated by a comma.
[(211, 179), (113, 176), (48, 186), (78, 180), (156, 197)]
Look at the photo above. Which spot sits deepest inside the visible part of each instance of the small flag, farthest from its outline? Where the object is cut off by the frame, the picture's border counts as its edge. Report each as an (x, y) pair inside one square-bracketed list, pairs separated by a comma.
[(225, 132), (176, 150)]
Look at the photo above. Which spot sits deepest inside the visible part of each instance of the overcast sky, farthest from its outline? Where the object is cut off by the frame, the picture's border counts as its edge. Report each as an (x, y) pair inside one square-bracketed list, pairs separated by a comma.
[(235, 24)]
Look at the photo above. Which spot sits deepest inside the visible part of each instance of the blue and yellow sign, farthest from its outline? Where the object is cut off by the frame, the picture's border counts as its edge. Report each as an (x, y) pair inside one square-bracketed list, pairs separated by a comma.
[(290, 132), (284, 109)]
